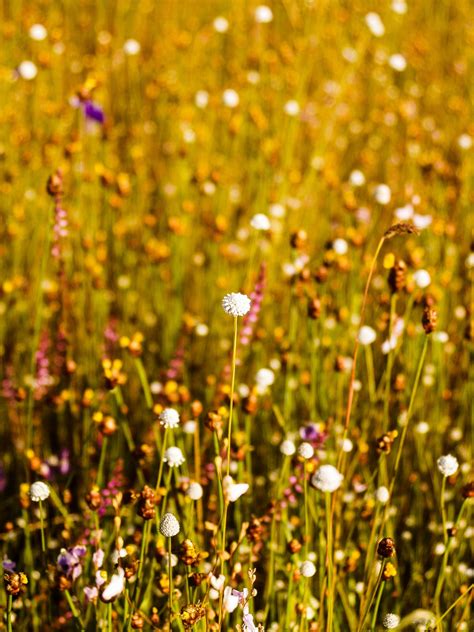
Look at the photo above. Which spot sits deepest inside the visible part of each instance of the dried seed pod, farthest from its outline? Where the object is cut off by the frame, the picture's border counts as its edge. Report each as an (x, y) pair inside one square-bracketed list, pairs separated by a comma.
[(397, 277), (386, 548), (468, 490), (314, 308), (14, 582), (384, 443), (54, 185), (94, 499), (255, 530), (429, 319), (191, 614), (214, 421), (146, 503), (188, 553), (321, 274), (137, 621), (402, 228), (294, 546), (298, 239)]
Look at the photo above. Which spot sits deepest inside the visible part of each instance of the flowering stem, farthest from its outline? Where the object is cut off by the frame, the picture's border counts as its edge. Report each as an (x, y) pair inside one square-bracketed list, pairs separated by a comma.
[(231, 409), (369, 358), (377, 605), (74, 610), (370, 601), (170, 575), (329, 561), (160, 470), (144, 382), (109, 617), (306, 517), (443, 510), (143, 548), (390, 359), (100, 472), (43, 543), (9, 613), (453, 605)]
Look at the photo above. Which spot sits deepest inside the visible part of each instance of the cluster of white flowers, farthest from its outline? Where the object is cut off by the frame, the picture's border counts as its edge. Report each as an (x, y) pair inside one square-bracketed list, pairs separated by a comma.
[(39, 491), (173, 456), (169, 525), (169, 418), (236, 304), (391, 621)]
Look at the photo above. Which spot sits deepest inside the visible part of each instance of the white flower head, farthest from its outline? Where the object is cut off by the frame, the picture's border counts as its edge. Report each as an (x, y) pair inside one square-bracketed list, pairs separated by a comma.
[(260, 221), (308, 569), (357, 178), (230, 98), (27, 70), (263, 14), (287, 447), (169, 418), (230, 601), (169, 525), (292, 107), (382, 194), (375, 24), (422, 278), (194, 491), (39, 491), (221, 24), (391, 621), (38, 32), (447, 465), (366, 335), (397, 62), (115, 587), (340, 246), (131, 47), (173, 456), (305, 450), (233, 491), (382, 494), (327, 478), (201, 99), (236, 304)]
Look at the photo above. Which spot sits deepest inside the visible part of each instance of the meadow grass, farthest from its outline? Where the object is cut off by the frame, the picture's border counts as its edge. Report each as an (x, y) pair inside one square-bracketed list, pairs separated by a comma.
[(299, 461)]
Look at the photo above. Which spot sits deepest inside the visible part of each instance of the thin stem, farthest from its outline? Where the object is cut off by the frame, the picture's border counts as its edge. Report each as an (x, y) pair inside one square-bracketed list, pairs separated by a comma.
[(103, 452), (443, 510), (377, 605), (329, 560), (9, 613), (144, 382), (366, 610), (43, 542), (75, 612), (170, 576), (231, 409), (453, 605)]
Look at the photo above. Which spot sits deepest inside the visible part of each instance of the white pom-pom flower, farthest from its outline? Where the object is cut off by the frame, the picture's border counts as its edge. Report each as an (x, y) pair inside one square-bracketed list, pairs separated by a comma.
[(194, 491), (131, 47), (27, 70), (263, 14), (230, 98), (236, 304), (366, 335), (391, 621), (260, 222), (383, 194), (382, 494), (447, 465), (169, 525), (38, 32), (287, 447), (173, 456), (305, 450), (39, 491), (169, 418), (375, 24), (327, 478), (422, 278), (221, 24), (308, 569)]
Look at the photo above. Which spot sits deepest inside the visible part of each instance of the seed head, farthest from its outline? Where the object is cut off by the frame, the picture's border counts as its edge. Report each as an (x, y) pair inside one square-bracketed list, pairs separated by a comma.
[(327, 478), (169, 525), (391, 621), (39, 491), (174, 457), (307, 569), (447, 465), (402, 228), (429, 319), (169, 418)]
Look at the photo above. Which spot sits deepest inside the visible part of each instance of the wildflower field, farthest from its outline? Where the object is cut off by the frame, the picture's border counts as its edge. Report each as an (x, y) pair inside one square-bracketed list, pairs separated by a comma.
[(236, 337)]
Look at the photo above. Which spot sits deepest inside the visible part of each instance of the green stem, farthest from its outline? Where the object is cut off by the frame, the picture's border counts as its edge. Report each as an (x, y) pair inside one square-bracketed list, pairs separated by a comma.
[(231, 409), (75, 612), (9, 613), (43, 542), (377, 605), (329, 558), (100, 472), (144, 382)]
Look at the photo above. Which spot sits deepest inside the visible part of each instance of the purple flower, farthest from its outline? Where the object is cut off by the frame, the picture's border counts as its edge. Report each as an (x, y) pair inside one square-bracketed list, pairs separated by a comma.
[(69, 561), (93, 111), (8, 565), (311, 433)]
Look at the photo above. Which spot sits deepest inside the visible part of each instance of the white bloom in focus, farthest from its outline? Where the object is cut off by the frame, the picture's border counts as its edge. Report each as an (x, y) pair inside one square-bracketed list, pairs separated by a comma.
[(287, 447), (327, 478), (382, 494), (201, 99), (308, 569), (447, 465), (27, 70), (397, 62), (173, 456), (38, 32), (260, 222), (230, 98), (292, 107), (236, 304), (131, 47), (391, 621), (115, 587), (169, 418), (422, 278), (194, 491), (382, 194), (375, 24), (39, 491), (263, 14), (305, 450), (366, 335), (169, 525), (221, 24), (233, 491)]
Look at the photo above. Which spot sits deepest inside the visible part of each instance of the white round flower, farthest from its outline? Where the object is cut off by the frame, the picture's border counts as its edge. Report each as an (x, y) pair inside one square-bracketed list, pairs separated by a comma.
[(327, 478), (306, 450), (277, 210), (287, 447), (221, 24), (264, 377), (169, 418), (357, 178), (38, 32), (230, 98), (173, 456), (399, 7), (391, 621), (422, 221), (169, 525), (131, 47), (382, 494), (465, 141), (347, 445), (189, 427), (447, 465), (236, 304), (194, 491), (263, 14), (292, 107), (260, 222), (39, 491), (382, 194), (233, 491), (404, 213), (340, 246), (422, 278), (201, 99), (307, 569), (470, 261), (366, 335), (27, 70), (397, 62), (375, 24)]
